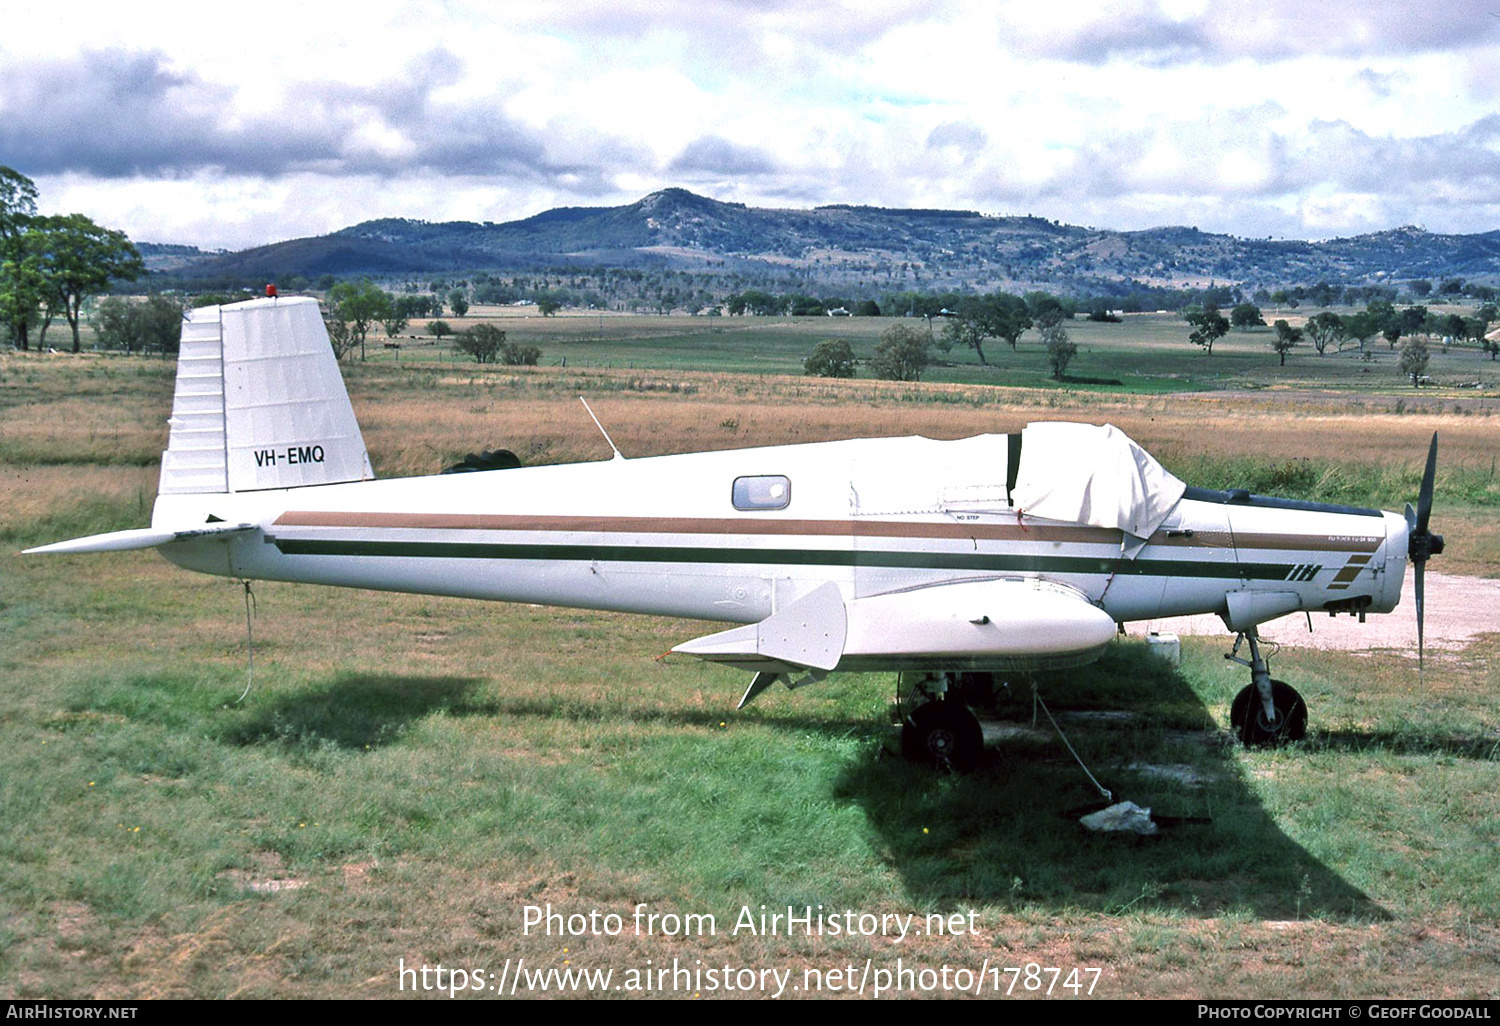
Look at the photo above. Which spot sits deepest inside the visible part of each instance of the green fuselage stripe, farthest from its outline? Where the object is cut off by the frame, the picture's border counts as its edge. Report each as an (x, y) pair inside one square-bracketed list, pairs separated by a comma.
[(789, 557)]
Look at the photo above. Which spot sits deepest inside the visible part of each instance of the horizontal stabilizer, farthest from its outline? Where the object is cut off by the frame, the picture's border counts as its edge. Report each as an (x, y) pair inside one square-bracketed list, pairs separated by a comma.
[(144, 538), (807, 634)]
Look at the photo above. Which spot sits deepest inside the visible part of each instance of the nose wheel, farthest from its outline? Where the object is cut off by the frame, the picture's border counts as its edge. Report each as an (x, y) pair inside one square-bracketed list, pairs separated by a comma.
[(1266, 712), (1247, 715)]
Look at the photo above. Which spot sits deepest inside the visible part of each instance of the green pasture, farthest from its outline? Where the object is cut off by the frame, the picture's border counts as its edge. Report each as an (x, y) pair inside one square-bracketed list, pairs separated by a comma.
[(1145, 353), (406, 775)]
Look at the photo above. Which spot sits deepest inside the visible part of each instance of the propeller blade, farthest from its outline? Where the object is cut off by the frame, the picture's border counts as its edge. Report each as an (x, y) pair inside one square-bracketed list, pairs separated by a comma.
[(1424, 497), (1417, 588), (1421, 544)]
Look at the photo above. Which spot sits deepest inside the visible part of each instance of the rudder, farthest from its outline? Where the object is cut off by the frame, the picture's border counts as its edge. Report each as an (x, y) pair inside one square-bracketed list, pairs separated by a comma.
[(260, 403)]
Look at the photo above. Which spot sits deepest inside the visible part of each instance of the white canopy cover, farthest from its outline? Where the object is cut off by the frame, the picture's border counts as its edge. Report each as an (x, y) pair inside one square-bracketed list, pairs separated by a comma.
[(1096, 476)]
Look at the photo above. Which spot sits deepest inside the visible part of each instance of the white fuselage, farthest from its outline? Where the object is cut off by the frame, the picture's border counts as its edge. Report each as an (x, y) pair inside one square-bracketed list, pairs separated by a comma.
[(663, 535), (999, 552)]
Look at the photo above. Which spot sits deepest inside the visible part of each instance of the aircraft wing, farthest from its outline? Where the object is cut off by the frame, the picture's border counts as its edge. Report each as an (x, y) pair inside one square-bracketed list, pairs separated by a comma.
[(809, 634), (144, 538), (1010, 624)]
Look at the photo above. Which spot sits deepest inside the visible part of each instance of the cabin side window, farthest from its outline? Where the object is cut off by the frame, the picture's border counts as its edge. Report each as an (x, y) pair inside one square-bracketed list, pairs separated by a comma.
[(765, 491)]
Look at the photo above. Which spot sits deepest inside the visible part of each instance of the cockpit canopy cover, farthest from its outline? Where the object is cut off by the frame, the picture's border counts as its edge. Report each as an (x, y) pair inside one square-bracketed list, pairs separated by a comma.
[(1093, 475)]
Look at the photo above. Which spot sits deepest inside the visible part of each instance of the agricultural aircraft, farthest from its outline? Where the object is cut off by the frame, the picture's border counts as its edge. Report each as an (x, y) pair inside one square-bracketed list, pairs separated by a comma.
[(949, 561)]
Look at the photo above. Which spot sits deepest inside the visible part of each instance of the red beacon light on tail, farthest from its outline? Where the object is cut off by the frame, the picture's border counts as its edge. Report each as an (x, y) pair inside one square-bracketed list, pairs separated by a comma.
[(270, 291)]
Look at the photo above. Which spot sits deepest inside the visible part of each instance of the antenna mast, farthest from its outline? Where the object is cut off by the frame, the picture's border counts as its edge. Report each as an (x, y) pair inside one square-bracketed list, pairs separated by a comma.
[(618, 454)]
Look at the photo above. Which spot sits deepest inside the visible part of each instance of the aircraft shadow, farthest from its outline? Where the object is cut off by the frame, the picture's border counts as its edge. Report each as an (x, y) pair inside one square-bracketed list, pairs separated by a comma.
[(1459, 745), (354, 711), (1009, 832), (360, 711)]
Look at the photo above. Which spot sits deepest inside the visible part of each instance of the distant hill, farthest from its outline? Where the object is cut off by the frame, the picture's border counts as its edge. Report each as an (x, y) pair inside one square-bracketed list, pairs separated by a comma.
[(163, 257), (854, 248)]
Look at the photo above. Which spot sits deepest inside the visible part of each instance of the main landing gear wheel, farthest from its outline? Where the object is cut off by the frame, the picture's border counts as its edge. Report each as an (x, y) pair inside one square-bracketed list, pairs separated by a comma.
[(1248, 716), (943, 734)]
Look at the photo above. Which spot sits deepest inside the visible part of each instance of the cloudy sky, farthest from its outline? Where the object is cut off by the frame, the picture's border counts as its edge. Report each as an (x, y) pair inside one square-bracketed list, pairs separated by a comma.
[(222, 126)]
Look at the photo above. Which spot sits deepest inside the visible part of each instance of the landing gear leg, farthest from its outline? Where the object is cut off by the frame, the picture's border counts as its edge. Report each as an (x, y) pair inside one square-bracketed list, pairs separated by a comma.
[(1267, 712), (940, 730)]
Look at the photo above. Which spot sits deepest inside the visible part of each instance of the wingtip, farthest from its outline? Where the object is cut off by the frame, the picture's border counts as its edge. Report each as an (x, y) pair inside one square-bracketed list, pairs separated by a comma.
[(140, 538), (113, 541)]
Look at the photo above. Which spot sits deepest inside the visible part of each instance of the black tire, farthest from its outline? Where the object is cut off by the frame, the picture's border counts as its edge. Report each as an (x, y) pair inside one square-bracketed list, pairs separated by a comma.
[(945, 735), (1249, 720)]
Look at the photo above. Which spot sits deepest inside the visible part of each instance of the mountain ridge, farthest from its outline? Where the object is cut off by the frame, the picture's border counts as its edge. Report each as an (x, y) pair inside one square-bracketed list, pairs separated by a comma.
[(853, 247)]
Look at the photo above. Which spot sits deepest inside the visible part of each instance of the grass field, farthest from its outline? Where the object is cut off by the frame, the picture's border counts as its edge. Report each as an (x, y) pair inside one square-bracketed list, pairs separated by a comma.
[(1148, 353), (408, 775)]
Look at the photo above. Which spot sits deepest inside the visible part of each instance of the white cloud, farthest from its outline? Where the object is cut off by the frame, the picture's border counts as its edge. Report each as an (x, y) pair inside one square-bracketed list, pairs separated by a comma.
[(200, 125)]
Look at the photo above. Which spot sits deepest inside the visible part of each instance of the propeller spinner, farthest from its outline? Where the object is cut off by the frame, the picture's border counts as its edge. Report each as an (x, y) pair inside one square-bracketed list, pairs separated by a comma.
[(1421, 543)]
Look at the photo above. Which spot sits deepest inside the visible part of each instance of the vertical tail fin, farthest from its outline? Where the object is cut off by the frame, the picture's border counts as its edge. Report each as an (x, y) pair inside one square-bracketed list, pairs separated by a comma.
[(260, 403)]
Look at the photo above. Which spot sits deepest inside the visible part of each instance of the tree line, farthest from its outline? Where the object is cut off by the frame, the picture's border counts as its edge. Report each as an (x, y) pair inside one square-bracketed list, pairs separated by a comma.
[(1408, 328), (1379, 319), (904, 351), (51, 264)]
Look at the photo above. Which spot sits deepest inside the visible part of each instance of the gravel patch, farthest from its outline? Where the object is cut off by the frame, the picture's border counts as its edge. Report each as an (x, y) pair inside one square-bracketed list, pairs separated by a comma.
[(1459, 609)]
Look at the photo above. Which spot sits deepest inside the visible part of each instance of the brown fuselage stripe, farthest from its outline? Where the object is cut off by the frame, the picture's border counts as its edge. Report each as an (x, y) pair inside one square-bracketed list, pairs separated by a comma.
[(1306, 542), (685, 525), (816, 528)]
